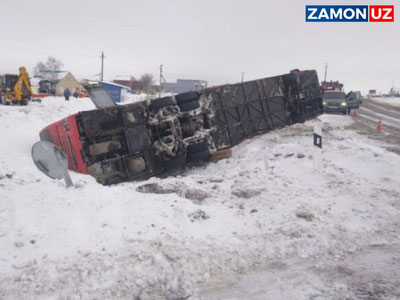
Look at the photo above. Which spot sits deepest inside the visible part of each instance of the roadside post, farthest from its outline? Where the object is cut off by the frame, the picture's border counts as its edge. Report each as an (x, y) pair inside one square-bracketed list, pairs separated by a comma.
[(317, 137)]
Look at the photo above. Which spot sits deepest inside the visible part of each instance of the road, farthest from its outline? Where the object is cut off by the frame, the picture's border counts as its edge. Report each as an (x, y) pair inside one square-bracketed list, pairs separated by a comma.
[(371, 111), (367, 120)]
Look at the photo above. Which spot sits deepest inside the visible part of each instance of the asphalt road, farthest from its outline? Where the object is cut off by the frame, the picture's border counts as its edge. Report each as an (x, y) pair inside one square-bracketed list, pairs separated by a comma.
[(366, 122), (371, 111)]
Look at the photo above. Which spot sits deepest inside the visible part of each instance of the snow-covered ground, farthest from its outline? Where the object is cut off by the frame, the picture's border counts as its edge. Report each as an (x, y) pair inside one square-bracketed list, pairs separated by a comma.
[(172, 238), (391, 101), (131, 98)]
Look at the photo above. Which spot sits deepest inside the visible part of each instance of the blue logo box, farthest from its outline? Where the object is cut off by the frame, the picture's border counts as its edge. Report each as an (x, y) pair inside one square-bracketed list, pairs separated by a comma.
[(337, 13)]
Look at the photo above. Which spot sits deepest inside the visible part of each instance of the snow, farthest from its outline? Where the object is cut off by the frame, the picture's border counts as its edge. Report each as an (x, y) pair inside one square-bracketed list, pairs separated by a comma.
[(391, 101), (131, 98), (168, 238)]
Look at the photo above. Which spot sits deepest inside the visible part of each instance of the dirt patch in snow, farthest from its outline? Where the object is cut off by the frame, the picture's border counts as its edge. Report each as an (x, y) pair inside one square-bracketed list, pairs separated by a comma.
[(192, 193)]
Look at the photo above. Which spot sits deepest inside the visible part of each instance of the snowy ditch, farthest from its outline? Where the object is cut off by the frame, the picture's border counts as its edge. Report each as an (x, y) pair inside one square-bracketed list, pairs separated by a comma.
[(164, 238)]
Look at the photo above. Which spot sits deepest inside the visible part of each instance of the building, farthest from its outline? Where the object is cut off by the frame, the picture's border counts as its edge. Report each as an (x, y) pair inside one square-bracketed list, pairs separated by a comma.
[(118, 93), (132, 84), (184, 85), (372, 93), (135, 86), (66, 80)]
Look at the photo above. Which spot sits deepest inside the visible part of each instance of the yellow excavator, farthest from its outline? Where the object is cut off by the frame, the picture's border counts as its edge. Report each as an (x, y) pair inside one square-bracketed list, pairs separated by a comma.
[(16, 89)]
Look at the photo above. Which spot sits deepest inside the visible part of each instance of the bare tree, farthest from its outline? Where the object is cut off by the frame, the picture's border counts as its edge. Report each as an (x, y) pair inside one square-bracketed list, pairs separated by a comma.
[(39, 70), (146, 81), (49, 69)]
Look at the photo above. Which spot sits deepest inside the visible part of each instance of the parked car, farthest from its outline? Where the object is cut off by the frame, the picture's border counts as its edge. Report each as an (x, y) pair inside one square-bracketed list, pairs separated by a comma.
[(117, 143), (335, 101), (353, 100)]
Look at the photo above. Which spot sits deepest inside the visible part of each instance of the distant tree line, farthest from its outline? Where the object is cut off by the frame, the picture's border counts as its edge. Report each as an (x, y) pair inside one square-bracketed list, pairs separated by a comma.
[(146, 82)]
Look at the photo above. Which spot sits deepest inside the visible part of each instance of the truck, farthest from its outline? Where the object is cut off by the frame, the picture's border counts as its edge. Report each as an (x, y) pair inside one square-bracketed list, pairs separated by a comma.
[(116, 143), (331, 86)]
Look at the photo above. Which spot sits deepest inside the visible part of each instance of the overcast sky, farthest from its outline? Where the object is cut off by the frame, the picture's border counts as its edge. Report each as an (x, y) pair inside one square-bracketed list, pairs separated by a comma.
[(215, 40)]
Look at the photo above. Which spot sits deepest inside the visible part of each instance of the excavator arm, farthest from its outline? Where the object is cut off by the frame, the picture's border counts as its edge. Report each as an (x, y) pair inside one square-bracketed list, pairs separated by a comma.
[(22, 87)]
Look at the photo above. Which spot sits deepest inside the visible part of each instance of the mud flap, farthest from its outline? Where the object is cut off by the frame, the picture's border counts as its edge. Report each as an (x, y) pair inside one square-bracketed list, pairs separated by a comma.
[(174, 163), (199, 156)]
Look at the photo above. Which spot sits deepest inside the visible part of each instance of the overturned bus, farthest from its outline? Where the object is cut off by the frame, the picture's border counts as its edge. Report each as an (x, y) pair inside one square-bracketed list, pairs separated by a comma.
[(116, 143)]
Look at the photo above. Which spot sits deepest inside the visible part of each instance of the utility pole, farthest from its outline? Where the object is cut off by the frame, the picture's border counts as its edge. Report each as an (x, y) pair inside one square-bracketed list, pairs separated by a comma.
[(161, 79), (392, 88), (326, 71), (102, 66), (130, 82), (242, 76)]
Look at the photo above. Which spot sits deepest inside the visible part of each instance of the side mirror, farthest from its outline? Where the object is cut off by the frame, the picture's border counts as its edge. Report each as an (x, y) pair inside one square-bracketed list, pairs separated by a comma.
[(51, 160)]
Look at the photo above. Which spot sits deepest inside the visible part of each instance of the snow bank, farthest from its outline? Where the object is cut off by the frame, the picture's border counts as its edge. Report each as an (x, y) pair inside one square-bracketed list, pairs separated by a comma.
[(161, 237), (335, 120), (132, 98)]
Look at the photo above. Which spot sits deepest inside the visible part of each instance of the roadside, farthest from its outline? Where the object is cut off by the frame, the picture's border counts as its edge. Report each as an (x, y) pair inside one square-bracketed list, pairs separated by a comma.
[(366, 120), (372, 111), (354, 275), (368, 271)]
